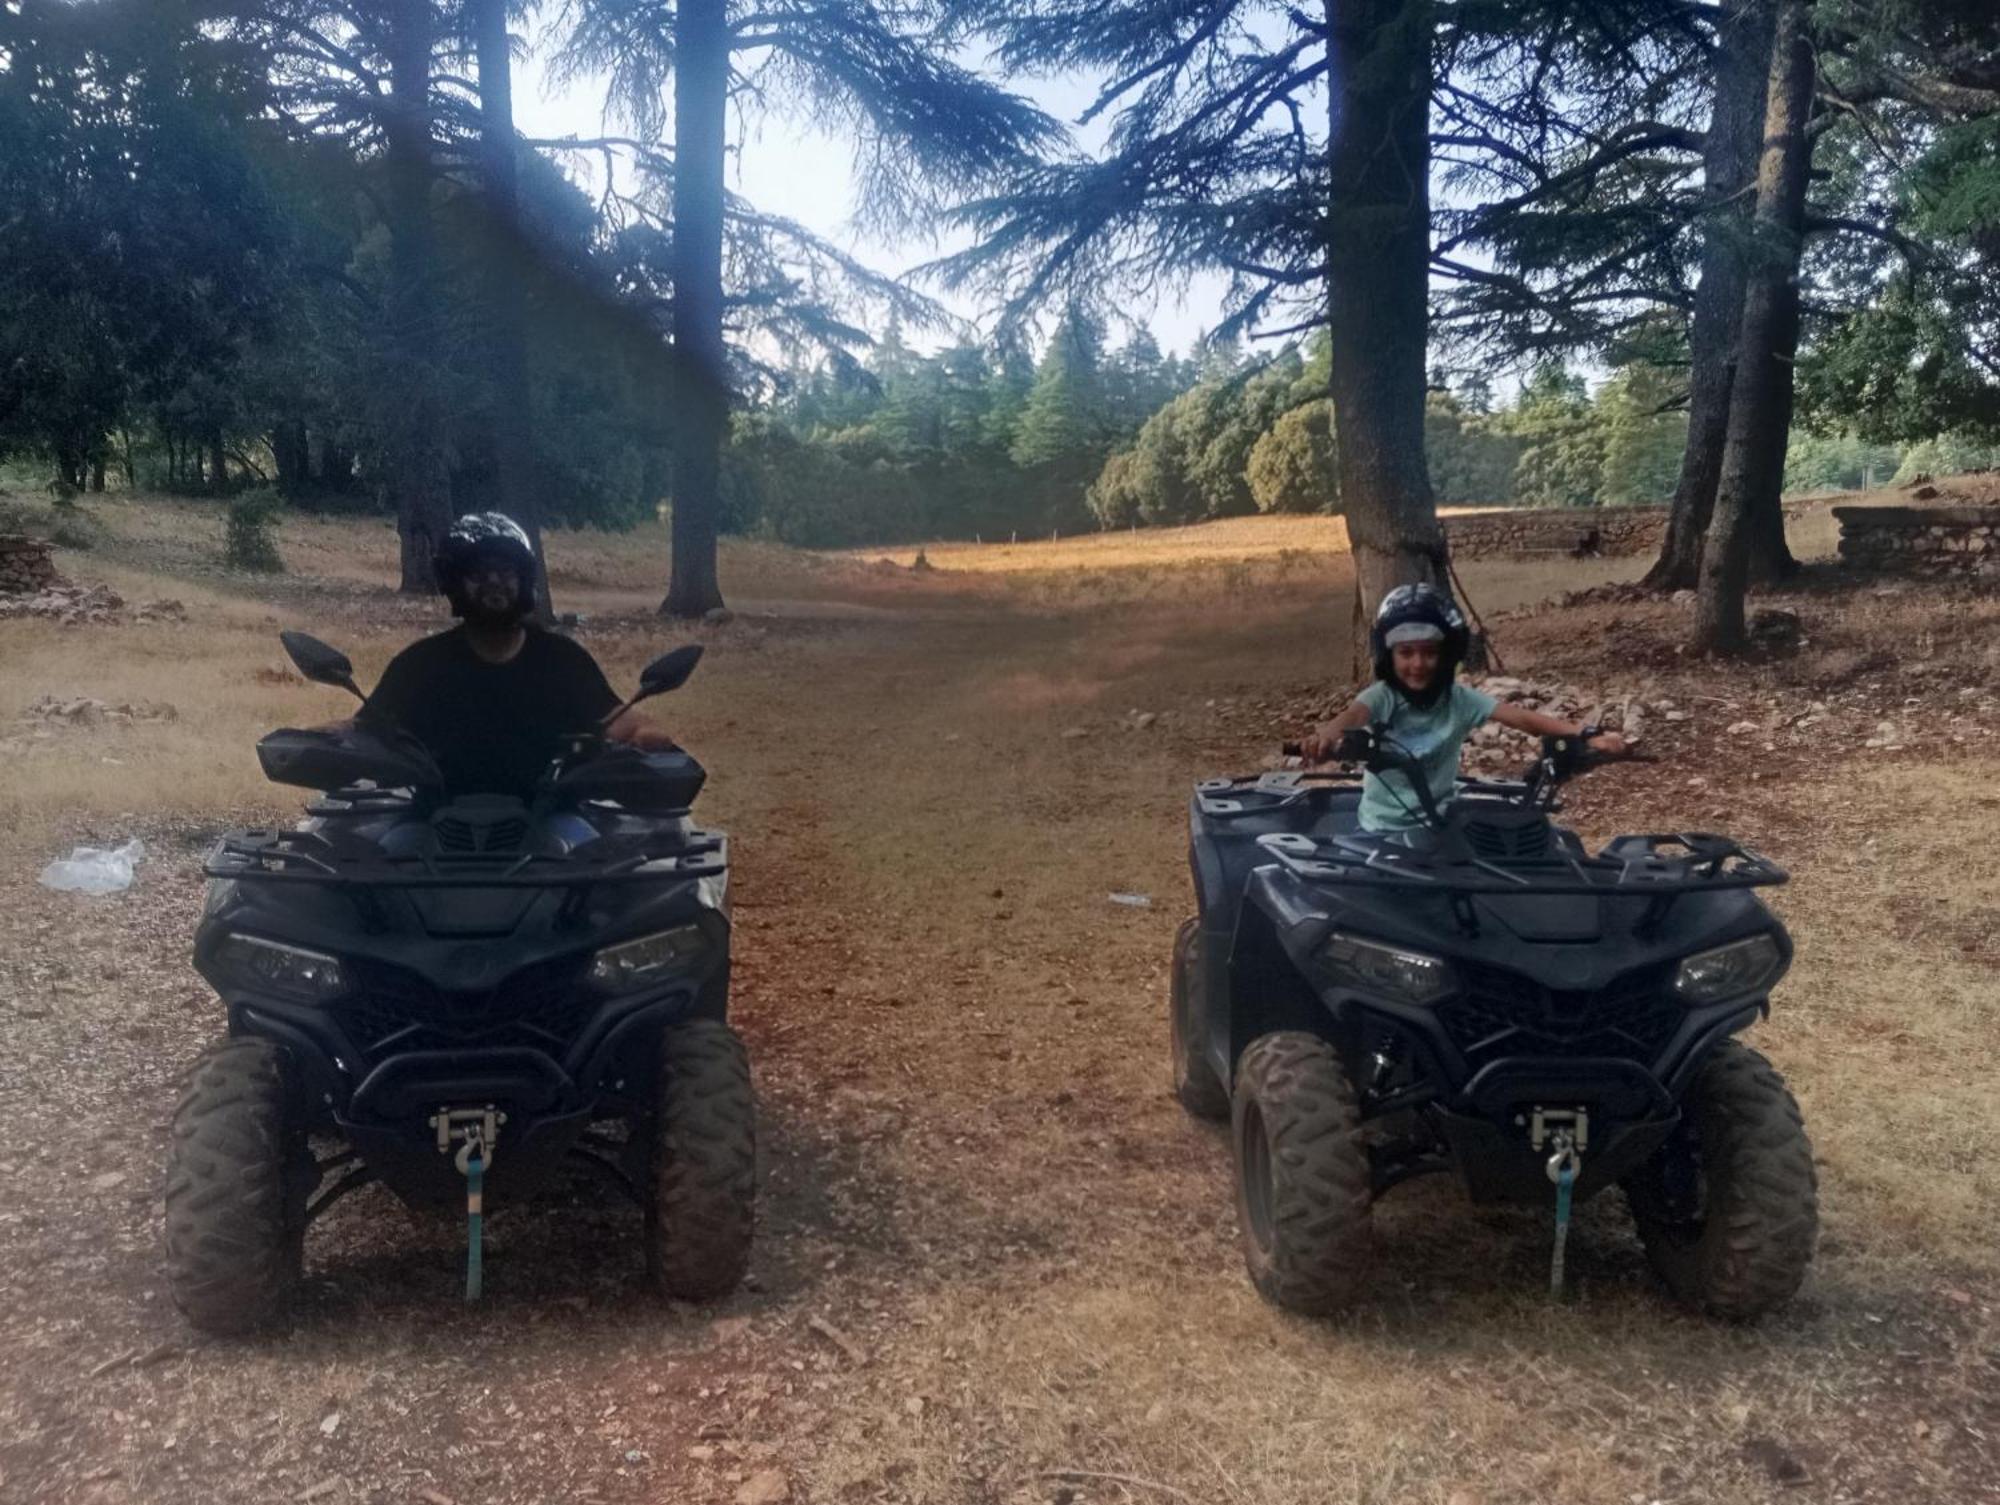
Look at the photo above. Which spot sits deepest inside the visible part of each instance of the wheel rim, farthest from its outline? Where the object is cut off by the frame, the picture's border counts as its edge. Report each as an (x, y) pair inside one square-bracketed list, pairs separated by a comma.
[(1256, 1173)]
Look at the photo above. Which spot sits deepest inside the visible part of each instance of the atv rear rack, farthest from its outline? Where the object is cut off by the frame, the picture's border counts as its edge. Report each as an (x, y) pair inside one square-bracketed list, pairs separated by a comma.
[(1662, 865), (308, 857)]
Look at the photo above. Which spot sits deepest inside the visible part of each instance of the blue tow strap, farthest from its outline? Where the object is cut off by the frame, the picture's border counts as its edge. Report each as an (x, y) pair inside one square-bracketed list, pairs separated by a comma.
[(475, 1218), (1565, 1179)]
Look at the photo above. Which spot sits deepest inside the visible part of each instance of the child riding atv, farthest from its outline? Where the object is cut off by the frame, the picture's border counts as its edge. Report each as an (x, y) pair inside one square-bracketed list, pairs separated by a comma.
[(1418, 642)]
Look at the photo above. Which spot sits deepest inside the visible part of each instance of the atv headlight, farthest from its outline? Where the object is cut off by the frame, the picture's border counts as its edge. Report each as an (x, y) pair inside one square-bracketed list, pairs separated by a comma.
[(1407, 975), (1729, 971), (640, 963), (279, 968)]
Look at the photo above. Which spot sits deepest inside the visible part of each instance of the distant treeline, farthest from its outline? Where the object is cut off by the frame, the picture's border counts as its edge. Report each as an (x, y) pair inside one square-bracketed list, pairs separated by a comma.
[(974, 442)]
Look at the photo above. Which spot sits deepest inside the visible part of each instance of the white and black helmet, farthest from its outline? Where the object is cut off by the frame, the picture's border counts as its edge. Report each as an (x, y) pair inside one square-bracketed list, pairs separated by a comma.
[(477, 538), (1419, 613)]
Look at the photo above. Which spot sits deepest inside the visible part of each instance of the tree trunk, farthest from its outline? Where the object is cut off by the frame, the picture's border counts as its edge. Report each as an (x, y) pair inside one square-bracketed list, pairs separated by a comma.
[(336, 465), (418, 469), (97, 473), (1378, 268), (1729, 170), (701, 77), (1760, 399), (291, 454), (218, 463), (513, 434)]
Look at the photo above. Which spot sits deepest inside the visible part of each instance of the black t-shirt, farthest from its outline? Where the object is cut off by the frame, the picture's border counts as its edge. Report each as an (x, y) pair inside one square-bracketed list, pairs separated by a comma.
[(492, 727)]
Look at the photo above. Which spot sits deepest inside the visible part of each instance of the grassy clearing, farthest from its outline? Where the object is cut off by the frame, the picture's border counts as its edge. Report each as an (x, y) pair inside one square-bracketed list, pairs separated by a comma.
[(973, 1168)]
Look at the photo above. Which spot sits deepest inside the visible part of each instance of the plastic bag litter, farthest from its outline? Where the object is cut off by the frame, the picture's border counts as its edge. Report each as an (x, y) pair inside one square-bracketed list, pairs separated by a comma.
[(1132, 901), (95, 870)]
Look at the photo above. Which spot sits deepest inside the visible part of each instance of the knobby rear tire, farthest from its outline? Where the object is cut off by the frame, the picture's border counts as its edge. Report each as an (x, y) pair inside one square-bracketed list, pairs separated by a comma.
[(1747, 1249), (1303, 1194), (704, 1163), (239, 1173), (1194, 1081)]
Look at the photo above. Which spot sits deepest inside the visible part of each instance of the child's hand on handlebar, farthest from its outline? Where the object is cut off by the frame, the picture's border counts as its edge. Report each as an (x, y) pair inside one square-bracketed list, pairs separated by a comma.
[(1610, 745)]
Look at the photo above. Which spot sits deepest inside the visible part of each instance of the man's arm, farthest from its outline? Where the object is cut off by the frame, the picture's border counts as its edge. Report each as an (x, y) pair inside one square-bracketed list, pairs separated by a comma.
[(1611, 744), (632, 728)]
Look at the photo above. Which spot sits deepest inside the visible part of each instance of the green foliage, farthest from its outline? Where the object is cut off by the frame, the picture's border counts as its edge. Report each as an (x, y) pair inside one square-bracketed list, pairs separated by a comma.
[(250, 538), (1949, 454), (1562, 442), (1472, 459), (1292, 464), (1645, 432), (1837, 462)]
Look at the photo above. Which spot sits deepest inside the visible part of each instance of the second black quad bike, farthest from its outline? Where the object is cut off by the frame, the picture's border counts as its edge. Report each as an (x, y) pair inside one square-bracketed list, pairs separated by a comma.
[(1486, 997), (461, 998)]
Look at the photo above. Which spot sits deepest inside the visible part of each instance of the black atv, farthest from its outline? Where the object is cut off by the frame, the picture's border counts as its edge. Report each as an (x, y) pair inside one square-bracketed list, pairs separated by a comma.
[(458, 997), (1488, 998)]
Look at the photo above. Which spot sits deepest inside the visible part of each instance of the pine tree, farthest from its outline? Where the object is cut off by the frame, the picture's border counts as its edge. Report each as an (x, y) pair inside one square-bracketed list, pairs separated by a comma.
[(924, 127)]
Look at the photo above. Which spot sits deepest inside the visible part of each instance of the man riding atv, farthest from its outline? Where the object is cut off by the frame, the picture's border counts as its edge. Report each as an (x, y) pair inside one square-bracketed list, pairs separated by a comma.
[(492, 697), (495, 952)]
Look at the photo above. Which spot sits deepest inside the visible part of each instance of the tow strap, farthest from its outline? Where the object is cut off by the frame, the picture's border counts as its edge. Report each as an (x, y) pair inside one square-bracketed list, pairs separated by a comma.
[(477, 1131), (1562, 1168), (473, 1162)]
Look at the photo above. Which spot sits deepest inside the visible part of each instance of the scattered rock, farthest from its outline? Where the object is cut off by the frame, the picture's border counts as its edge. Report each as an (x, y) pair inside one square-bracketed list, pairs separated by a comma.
[(765, 1487), (1777, 631), (83, 710), (856, 1354), (1776, 1460), (1071, 733), (718, 616)]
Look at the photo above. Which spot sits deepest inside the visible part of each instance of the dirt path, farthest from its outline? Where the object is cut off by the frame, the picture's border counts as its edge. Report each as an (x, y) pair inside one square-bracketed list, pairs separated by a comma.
[(1018, 1253)]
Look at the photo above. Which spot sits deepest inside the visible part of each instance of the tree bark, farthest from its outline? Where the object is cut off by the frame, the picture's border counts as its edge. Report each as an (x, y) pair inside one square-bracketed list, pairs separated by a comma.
[(701, 77), (418, 470), (1378, 268), (1760, 399), (290, 453), (1729, 170), (506, 333), (218, 463)]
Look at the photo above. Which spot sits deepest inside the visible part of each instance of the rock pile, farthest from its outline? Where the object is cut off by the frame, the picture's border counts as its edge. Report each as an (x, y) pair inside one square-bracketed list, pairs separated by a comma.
[(87, 605), (1921, 540), (83, 710), (26, 565)]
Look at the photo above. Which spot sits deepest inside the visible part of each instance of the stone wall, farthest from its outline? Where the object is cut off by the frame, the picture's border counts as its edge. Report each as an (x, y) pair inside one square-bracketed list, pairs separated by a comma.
[(25, 565), (1581, 531), (1921, 540)]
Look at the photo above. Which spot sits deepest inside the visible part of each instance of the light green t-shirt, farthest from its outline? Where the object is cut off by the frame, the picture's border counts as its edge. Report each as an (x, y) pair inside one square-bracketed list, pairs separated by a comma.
[(1432, 736)]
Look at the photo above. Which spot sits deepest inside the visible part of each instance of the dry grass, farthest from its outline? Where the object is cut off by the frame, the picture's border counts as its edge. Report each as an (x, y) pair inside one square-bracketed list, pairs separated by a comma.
[(972, 1167)]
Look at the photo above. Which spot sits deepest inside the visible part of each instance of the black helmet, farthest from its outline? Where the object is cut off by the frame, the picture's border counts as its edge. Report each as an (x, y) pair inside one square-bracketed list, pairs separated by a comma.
[(1404, 612), (478, 537)]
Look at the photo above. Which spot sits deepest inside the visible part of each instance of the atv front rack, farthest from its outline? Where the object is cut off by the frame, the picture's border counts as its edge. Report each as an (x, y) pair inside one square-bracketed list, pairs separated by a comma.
[(1660, 865), (309, 857)]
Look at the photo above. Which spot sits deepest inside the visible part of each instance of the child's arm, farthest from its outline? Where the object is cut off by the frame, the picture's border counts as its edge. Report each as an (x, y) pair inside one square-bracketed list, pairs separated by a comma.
[(1611, 744), (1321, 745)]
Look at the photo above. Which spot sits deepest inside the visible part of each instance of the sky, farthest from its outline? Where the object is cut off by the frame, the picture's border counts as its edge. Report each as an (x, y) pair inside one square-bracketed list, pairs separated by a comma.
[(787, 167)]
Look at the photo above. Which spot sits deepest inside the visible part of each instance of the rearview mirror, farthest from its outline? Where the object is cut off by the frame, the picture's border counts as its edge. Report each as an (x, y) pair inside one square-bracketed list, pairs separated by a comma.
[(320, 662), (669, 671)]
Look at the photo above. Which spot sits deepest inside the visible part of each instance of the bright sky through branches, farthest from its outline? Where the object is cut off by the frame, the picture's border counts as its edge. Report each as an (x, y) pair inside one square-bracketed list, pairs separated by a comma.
[(789, 168)]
